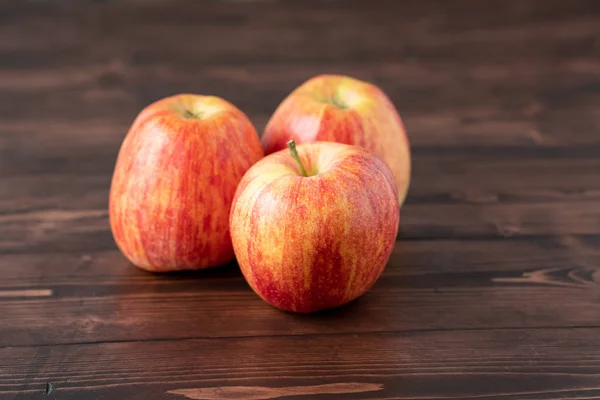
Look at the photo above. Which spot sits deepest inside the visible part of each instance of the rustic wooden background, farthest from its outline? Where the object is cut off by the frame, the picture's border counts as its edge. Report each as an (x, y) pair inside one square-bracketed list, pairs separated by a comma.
[(491, 292)]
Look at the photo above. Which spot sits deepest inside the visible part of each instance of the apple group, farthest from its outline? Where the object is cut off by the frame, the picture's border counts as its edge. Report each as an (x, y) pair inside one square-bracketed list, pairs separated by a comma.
[(311, 214)]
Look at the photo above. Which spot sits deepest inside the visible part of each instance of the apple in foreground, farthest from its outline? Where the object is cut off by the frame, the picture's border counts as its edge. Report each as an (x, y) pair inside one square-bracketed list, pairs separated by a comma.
[(313, 228), (174, 180), (341, 109)]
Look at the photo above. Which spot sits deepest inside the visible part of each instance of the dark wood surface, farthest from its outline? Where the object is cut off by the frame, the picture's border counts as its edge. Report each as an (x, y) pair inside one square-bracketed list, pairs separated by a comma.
[(491, 291)]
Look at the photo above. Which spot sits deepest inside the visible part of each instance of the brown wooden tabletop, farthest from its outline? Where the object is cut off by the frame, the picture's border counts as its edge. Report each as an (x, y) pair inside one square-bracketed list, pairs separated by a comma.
[(491, 291)]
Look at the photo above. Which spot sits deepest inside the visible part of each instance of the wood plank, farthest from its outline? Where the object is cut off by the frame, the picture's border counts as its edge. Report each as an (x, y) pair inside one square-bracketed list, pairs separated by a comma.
[(447, 221), (452, 284), (64, 178), (526, 86), (448, 256), (92, 153), (55, 195), (55, 230), (539, 103), (88, 230), (258, 31), (85, 230), (504, 365), (32, 192)]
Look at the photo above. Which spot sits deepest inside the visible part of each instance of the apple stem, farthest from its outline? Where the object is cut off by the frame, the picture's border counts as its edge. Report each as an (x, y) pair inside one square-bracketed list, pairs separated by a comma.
[(292, 146)]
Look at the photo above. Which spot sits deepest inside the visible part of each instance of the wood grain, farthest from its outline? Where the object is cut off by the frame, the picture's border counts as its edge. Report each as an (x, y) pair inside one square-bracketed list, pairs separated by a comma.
[(531, 71), (477, 194), (501, 364), (427, 285), (492, 288), (87, 230), (261, 392)]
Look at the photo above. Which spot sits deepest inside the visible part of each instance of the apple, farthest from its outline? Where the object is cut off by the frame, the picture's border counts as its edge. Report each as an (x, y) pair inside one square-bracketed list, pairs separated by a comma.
[(313, 228), (341, 109), (174, 180)]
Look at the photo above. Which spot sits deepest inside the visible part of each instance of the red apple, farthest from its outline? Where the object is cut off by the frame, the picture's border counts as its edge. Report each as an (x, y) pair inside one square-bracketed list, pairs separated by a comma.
[(174, 181), (340, 109), (315, 232)]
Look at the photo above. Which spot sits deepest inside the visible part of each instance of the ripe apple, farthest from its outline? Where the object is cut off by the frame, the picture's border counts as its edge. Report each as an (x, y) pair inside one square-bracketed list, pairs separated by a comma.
[(341, 109), (314, 228), (174, 181)]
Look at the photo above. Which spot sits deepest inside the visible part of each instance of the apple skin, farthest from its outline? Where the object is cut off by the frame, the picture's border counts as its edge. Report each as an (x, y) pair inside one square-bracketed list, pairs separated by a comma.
[(174, 180), (341, 109), (310, 243)]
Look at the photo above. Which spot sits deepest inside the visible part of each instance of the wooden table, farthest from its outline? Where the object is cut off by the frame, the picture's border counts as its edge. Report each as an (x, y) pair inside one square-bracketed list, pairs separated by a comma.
[(491, 291)]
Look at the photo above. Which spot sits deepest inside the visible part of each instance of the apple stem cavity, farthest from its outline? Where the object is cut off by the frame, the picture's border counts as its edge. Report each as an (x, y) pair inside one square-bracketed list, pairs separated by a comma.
[(189, 114), (338, 102), (292, 146)]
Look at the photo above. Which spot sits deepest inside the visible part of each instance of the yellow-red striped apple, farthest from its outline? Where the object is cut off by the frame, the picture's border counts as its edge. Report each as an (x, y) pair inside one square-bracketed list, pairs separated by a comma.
[(314, 228), (341, 109), (174, 180)]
